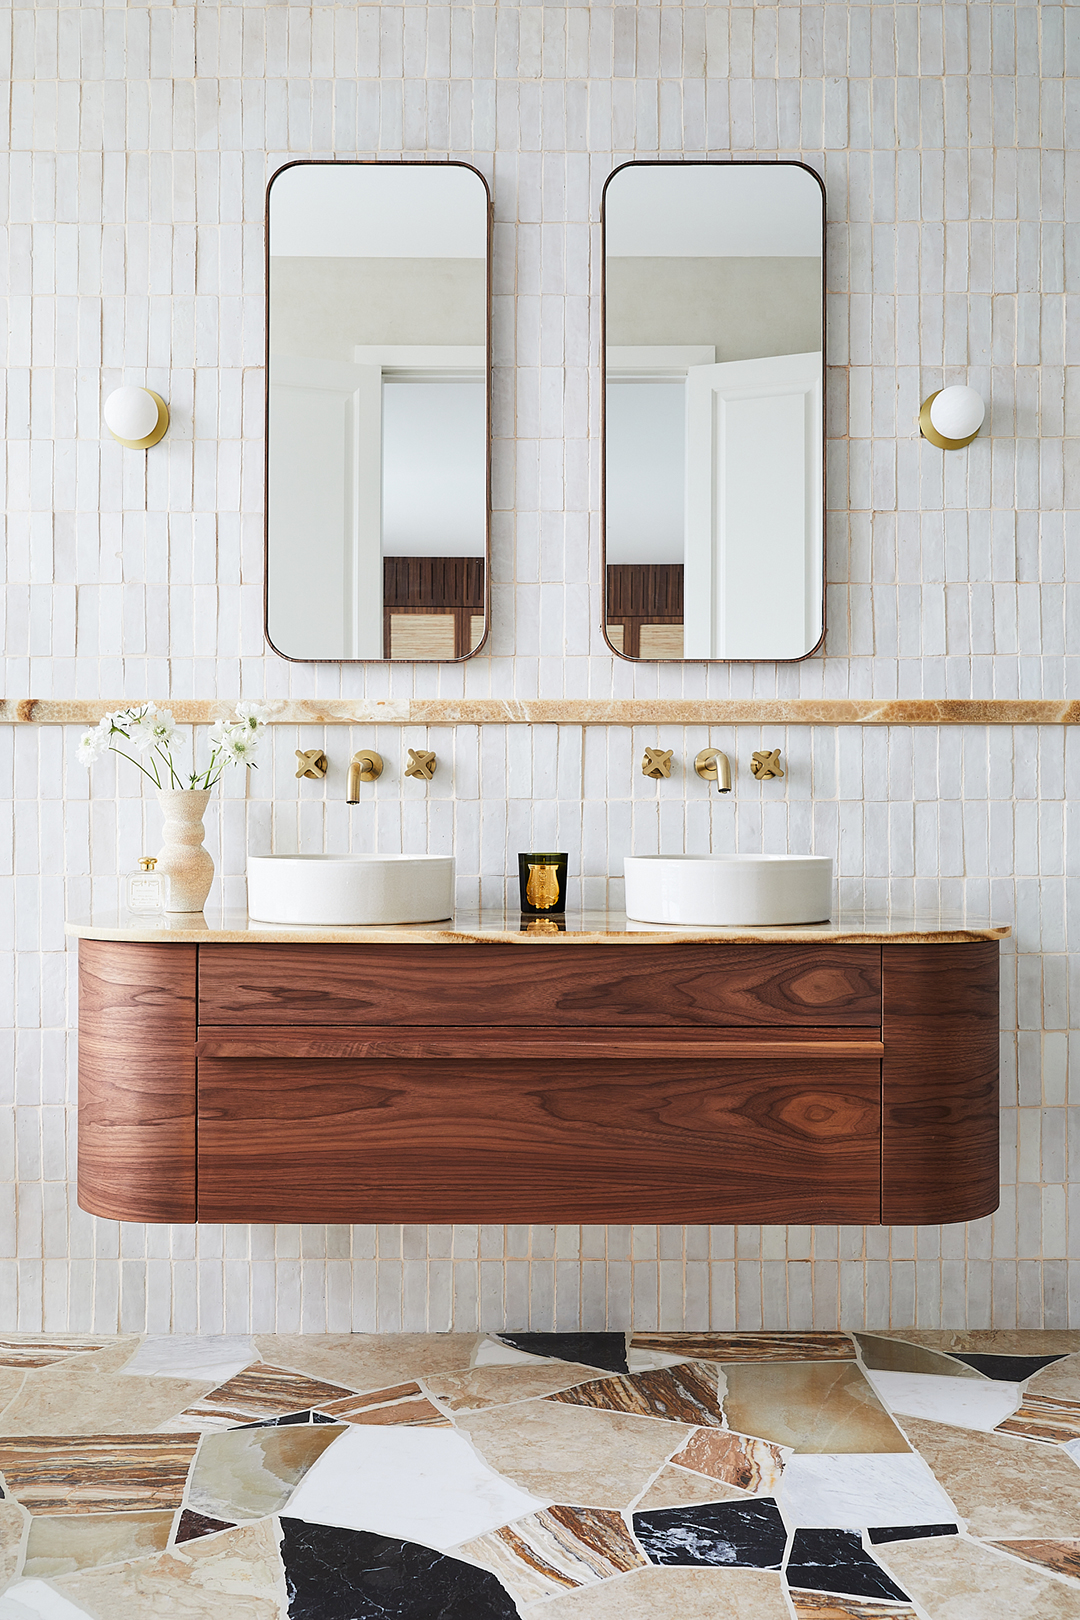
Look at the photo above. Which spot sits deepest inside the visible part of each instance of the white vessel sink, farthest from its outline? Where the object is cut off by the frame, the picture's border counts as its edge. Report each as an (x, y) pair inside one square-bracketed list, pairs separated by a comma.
[(729, 891), (350, 890)]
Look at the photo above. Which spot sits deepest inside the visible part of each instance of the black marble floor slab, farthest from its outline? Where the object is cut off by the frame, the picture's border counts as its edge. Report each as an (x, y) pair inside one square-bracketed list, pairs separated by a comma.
[(193, 1525), (879, 1534), (333, 1574), (836, 1561), (1009, 1369), (290, 1417), (607, 1350), (740, 1535)]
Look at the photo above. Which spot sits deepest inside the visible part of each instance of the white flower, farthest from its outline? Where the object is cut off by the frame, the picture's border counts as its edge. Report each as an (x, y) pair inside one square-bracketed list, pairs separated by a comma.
[(162, 727), (92, 744), (252, 714), (239, 744)]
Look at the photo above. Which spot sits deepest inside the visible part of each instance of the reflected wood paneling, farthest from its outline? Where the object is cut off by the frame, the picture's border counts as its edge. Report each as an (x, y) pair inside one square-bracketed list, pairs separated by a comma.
[(444, 985), (137, 1081), (431, 589), (940, 1019), (471, 1141), (641, 595)]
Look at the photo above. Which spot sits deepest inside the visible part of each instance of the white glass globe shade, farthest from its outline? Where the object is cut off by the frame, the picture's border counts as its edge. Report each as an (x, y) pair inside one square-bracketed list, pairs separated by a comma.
[(957, 412), (131, 413)]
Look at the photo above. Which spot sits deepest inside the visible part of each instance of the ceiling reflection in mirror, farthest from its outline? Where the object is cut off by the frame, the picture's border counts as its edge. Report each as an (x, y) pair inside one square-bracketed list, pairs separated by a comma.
[(378, 297), (713, 378)]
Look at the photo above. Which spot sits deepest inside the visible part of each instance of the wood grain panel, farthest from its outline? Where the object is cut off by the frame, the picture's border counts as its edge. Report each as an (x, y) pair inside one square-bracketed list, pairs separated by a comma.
[(137, 1080), (472, 1141), (450, 986), (248, 1041), (939, 1083)]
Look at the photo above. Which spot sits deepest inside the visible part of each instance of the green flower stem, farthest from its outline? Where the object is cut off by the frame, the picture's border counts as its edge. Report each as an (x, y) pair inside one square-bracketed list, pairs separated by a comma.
[(153, 776)]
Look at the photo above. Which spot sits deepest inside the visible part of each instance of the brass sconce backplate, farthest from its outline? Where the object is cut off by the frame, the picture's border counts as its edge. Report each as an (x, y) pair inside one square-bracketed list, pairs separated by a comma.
[(765, 762), (657, 762), (312, 762), (422, 763)]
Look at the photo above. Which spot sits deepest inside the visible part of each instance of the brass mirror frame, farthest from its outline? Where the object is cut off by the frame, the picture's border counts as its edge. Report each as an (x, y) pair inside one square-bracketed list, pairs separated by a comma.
[(369, 163), (701, 163)]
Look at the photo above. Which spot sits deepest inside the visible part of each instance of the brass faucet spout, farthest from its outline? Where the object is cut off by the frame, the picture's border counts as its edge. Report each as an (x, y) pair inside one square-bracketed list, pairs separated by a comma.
[(714, 766), (364, 767), (352, 790)]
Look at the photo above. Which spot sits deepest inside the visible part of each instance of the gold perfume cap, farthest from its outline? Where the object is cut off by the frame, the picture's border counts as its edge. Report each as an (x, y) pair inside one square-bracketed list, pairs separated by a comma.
[(148, 862)]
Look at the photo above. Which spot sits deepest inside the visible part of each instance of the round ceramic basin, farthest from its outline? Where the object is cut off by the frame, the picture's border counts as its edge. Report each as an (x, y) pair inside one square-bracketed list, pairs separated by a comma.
[(350, 890), (729, 891)]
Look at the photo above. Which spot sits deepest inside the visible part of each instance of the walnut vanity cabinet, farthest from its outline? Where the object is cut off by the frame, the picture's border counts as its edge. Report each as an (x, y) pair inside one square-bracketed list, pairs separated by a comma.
[(541, 1082)]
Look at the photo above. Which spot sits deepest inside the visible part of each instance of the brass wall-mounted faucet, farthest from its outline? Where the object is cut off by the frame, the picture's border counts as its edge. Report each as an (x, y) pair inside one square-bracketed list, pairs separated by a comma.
[(365, 767), (713, 766)]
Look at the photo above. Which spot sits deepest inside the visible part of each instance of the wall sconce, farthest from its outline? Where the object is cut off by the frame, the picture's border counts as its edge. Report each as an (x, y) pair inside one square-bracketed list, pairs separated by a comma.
[(136, 416), (952, 417)]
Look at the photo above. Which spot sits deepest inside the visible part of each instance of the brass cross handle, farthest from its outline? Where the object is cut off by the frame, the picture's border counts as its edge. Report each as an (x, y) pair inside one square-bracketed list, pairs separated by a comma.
[(657, 762), (421, 763), (765, 762), (313, 763)]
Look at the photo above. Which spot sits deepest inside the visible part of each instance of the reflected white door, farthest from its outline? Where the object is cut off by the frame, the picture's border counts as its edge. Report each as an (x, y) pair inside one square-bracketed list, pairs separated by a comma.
[(325, 597), (754, 528)]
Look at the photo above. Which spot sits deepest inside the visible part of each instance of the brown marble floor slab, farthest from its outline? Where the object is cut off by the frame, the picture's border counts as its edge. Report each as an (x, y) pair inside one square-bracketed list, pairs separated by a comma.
[(262, 1391), (369, 1360), (736, 1459), (41, 1350), (245, 1473), (60, 1544), (1002, 1486), (897, 1355), (676, 1593), (750, 1346), (823, 1606), (956, 1579), (1063, 1557), (235, 1576), (810, 1406), (676, 1487), (557, 1550), (104, 1473), (1042, 1417), (481, 1387), (573, 1454), (684, 1394), (1061, 1381), (82, 1395), (397, 1412)]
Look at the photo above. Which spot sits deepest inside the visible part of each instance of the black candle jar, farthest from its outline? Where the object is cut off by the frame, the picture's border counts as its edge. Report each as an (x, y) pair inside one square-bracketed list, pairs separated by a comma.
[(542, 882)]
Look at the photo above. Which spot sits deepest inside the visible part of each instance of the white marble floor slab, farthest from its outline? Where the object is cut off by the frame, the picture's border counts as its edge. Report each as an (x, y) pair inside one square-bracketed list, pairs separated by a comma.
[(964, 1402), (1073, 1448), (646, 1360), (857, 1489), (493, 1354), (176, 1355), (425, 1485), (33, 1600)]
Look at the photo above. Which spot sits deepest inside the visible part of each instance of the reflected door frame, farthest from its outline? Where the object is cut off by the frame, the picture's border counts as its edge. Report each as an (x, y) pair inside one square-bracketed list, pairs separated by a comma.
[(710, 163)]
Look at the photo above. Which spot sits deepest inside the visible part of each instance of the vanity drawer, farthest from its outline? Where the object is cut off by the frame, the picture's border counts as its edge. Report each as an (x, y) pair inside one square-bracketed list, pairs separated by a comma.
[(450, 986)]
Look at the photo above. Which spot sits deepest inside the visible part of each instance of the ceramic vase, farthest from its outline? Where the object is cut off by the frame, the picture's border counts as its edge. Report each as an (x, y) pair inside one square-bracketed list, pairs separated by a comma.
[(189, 866)]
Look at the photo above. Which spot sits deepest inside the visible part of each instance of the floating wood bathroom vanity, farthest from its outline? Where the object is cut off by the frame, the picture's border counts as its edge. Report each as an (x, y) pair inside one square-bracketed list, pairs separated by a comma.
[(473, 1073)]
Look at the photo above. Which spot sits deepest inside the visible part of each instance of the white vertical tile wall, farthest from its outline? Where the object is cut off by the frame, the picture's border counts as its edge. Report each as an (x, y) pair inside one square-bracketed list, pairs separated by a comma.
[(138, 143)]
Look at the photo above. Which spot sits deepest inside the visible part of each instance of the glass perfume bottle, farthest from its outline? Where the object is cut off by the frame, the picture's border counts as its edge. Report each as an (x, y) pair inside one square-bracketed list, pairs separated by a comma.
[(147, 889)]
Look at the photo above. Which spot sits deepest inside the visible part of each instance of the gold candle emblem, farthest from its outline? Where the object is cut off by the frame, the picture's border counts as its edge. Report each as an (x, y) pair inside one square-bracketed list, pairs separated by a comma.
[(542, 890)]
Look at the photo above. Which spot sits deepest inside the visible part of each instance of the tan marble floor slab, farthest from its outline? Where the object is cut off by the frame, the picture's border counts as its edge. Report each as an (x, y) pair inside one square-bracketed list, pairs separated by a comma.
[(994, 1341), (1061, 1381), (235, 1576), (899, 1355), (956, 1579), (1063, 1557), (823, 1606), (557, 1550), (61, 1544), (751, 1346), (810, 1406), (687, 1393), (573, 1454), (1042, 1417), (1003, 1487), (677, 1487), (105, 1473), (12, 1525), (369, 1360), (263, 1391), (481, 1387), (406, 1413), (43, 1350), (674, 1594), (245, 1473), (81, 1395), (736, 1459)]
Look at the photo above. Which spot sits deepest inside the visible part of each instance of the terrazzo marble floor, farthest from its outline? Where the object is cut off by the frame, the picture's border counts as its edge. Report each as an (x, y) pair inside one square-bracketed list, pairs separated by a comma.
[(566, 1476)]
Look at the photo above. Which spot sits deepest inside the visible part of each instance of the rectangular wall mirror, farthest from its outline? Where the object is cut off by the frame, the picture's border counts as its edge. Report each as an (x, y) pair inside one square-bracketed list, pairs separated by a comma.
[(377, 410), (713, 352)]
